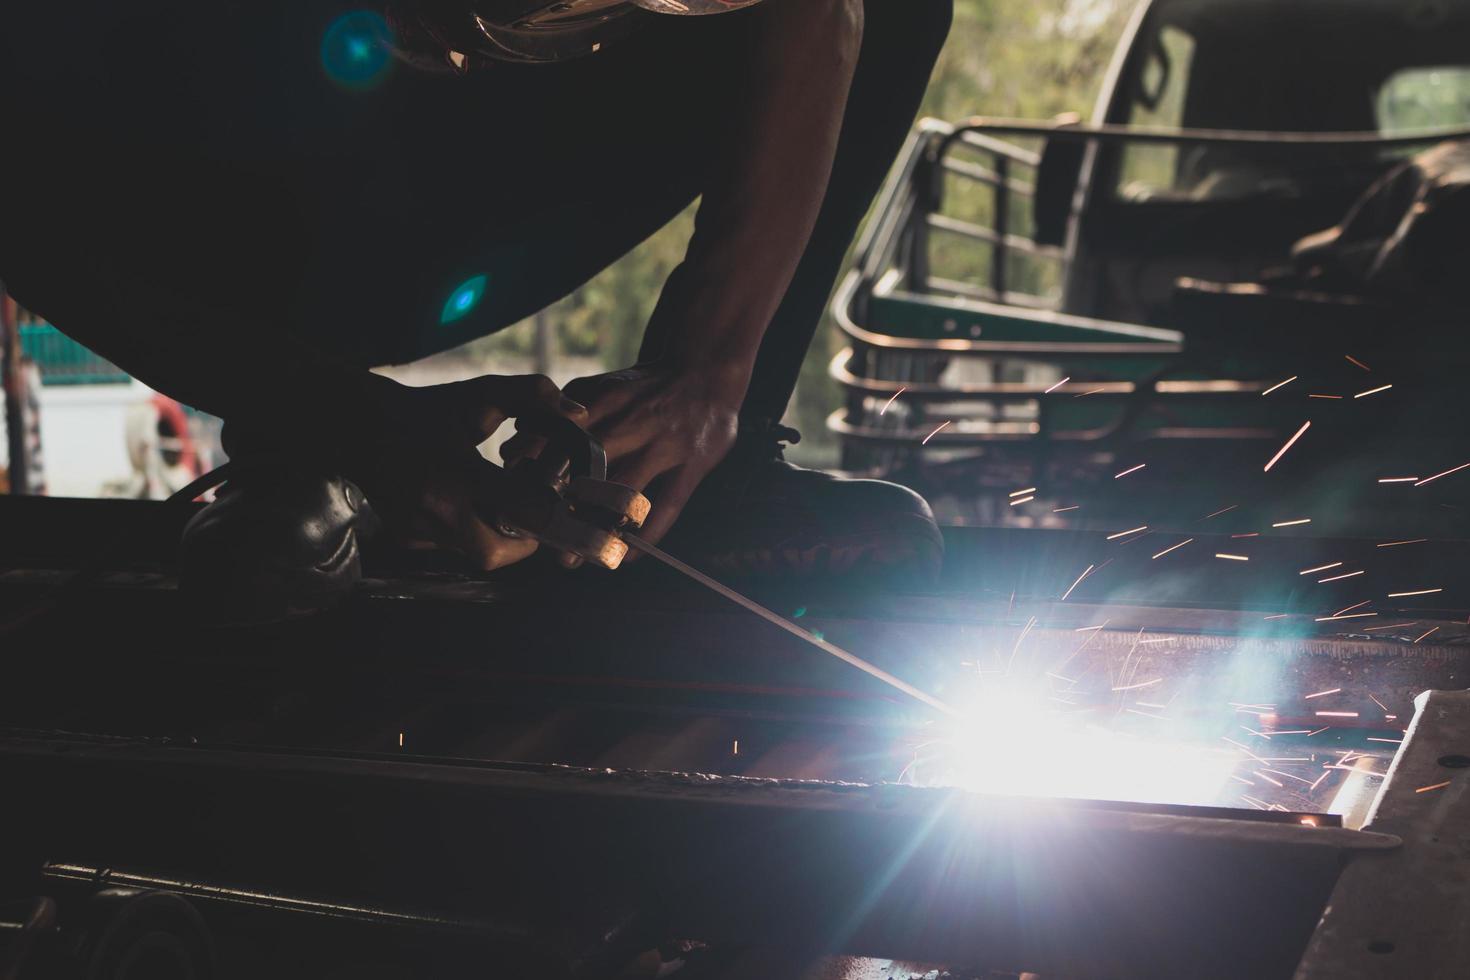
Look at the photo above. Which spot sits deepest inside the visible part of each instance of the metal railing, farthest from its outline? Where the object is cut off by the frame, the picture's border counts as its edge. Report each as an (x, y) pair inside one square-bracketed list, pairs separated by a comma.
[(950, 313)]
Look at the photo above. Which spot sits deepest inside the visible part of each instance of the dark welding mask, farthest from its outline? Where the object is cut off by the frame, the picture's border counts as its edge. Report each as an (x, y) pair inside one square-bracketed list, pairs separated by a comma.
[(460, 33)]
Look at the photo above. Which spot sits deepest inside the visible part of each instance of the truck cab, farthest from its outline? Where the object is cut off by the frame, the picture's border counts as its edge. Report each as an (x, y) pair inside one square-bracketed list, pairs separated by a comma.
[(1145, 214), (1034, 302)]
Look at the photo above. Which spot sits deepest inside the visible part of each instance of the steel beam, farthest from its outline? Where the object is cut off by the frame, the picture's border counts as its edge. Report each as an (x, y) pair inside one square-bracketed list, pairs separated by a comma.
[(1071, 888)]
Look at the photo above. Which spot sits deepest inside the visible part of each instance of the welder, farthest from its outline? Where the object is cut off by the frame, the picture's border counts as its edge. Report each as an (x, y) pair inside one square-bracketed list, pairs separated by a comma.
[(248, 206)]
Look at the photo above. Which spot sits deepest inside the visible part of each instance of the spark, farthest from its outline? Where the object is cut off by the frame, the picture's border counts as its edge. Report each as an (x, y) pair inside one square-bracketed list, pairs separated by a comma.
[(1288, 775), (1372, 391), (1223, 510), (1243, 748), (1021, 493), (1405, 595), (1021, 500), (1426, 789), (1238, 779), (1393, 741), (1084, 629), (735, 748), (1261, 707), (1289, 443), (1301, 520), (1279, 384), (1336, 714), (1396, 479), (1092, 392), (1430, 479), (1395, 544), (1063, 510), (1334, 397), (1320, 694), (1076, 583), (1319, 780), (1134, 687), (1252, 534), (1141, 527), (1274, 782), (1391, 626), (1057, 385), (1424, 634), (1335, 578), (400, 740), (1096, 632), (934, 433), (1140, 466), (1391, 717), (1020, 639), (1150, 704), (1364, 772), (889, 403), (1320, 568), (1232, 557), (1357, 362), (1146, 714), (1346, 609), (1318, 731), (1279, 616), (1328, 619), (1256, 733), (1379, 703), (1173, 548)]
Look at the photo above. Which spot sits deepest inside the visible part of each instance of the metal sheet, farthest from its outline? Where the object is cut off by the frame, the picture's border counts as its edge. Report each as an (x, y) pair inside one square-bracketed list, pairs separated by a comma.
[(1406, 913), (1068, 887)]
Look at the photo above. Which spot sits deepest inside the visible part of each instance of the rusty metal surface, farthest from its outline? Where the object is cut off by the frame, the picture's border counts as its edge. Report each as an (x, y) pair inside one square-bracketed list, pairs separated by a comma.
[(1406, 912)]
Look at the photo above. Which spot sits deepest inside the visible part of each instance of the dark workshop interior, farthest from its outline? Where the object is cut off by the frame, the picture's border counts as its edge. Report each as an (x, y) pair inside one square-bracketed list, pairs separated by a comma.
[(723, 489)]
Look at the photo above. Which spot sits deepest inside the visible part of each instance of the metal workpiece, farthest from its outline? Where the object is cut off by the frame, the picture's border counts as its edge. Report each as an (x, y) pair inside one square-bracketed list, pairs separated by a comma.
[(1406, 912), (1066, 887)]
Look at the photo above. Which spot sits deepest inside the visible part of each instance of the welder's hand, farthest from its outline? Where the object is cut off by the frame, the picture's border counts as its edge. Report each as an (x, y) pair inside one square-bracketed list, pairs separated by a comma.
[(663, 430), (424, 475)]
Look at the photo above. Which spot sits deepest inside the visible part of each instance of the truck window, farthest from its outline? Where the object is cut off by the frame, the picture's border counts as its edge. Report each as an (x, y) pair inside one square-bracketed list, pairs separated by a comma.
[(1424, 98), (1158, 100), (1284, 65)]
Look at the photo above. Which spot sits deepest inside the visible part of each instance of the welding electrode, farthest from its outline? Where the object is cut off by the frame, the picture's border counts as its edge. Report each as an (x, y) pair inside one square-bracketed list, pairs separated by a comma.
[(787, 625)]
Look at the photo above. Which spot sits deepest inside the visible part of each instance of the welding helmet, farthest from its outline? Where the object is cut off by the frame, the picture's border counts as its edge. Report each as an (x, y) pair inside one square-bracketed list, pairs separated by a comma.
[(463, 32)]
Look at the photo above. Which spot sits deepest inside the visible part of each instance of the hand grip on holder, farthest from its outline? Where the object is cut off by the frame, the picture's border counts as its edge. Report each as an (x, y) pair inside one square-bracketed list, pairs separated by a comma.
[(563, 498)]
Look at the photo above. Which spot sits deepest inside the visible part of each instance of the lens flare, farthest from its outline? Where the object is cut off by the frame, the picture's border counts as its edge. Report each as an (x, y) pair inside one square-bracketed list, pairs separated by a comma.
[(465, 297), (357, 50)]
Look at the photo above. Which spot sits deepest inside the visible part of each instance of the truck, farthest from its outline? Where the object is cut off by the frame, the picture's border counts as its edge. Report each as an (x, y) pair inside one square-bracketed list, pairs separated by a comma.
[(1033, 301)]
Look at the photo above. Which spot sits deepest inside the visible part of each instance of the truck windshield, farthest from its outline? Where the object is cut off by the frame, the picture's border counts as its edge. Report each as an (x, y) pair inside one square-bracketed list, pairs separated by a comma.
[(1386, 66)]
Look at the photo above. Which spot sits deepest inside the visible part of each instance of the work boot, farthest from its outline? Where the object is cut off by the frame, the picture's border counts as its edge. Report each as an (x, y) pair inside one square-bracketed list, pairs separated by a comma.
[(279, 541), (758, 516)]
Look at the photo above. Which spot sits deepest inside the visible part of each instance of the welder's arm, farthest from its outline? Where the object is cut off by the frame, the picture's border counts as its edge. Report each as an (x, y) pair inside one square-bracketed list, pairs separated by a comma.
[(669, 419)]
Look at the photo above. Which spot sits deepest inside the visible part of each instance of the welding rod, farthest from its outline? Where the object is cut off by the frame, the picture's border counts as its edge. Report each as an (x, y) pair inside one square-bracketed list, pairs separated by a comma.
[(787, 625)]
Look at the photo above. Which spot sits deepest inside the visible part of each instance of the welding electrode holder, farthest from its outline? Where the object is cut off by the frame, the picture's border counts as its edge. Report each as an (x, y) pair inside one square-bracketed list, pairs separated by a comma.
[(563, 498)]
